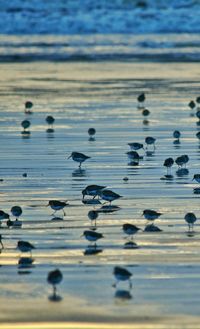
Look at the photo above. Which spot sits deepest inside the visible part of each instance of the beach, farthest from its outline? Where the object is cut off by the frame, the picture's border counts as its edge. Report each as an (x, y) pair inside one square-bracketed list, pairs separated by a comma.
[(164, 265)]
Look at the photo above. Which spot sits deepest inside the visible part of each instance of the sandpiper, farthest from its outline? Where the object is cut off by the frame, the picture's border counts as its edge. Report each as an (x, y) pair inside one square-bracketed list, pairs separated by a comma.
[(196, 177), (141, 99), (136, 146), (130, 229), (93, 215), (91, 132), (180, 161), (92, 236), (190, 218), (28, 105), (78, 157), (192, 105), (25, 124), (57, 205), (16, 211), (92, 190), (150, 141), (134, 157), (122, 274), (145, 112), (176, 134), (109, 195), (1, 243), (25, 246), (50, 120), (151, 215), (198, 135), (168, 163), (3, 215), (54, 278)]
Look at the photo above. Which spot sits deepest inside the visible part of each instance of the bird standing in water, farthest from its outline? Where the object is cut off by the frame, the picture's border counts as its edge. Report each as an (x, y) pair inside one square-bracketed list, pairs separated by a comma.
[(78, 157)]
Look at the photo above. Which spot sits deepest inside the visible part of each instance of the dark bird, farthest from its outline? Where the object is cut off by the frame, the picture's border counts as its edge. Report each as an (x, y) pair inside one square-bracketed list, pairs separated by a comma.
[(1, 243), (190, 218), (136, 146), (3, 215), (133, 156), (50, 120), (54, 278), (25, 124), (196, 177), (16, 211), (122, 274), (25, 246), (168, 163), (141, 99), (92, 190), (150, 141), (91, 132), (93, 215), (28, 106), (92, 236), (151, 215), (192, 105), (130, 229), (109, 195), (57, 205), (78, 157)]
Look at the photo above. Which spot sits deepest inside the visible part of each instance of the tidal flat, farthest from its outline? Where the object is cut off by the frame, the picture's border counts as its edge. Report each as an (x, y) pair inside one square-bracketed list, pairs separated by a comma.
[(34, 169)]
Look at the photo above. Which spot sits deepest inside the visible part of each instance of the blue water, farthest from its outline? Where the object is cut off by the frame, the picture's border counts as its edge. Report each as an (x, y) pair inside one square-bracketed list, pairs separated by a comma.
[(144, 30), (99, 16)]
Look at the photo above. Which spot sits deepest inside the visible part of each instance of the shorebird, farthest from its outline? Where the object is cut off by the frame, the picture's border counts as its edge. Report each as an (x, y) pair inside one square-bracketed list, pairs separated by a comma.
[(92, 190), (168, 163), (192, 105), (198, 99), (78, 157), (151, 215), (54, 278), (122, 274), (57, 205), (146, 112), (16, 211), (133, 157), (3, 215), (180, 161), (50, 120), (28, 105), (150, 141), (141, 99), (196, 177), (109, 195), (93, 215), (25, 246), (91, 132), (92, 236), (176, 134), (130, 229), (25, 124), (1, 243), (198, 135), (190, 218), (136, 146)]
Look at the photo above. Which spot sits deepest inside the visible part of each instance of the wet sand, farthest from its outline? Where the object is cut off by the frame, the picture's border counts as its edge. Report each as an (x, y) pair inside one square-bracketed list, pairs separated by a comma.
[(165, 265)]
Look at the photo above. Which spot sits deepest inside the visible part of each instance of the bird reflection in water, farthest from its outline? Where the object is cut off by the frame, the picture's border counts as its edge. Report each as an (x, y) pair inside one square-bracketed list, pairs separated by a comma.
[(79, 172), (122, 296), (25, 264), (92, 250)]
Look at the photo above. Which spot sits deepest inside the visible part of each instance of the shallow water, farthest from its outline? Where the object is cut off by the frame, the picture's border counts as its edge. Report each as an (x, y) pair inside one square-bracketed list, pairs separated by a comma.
[(103, 95)]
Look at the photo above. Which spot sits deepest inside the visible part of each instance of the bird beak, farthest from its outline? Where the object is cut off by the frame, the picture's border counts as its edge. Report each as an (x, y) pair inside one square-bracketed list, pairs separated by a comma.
[(81, 235), (192, 178), (69, 157)]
